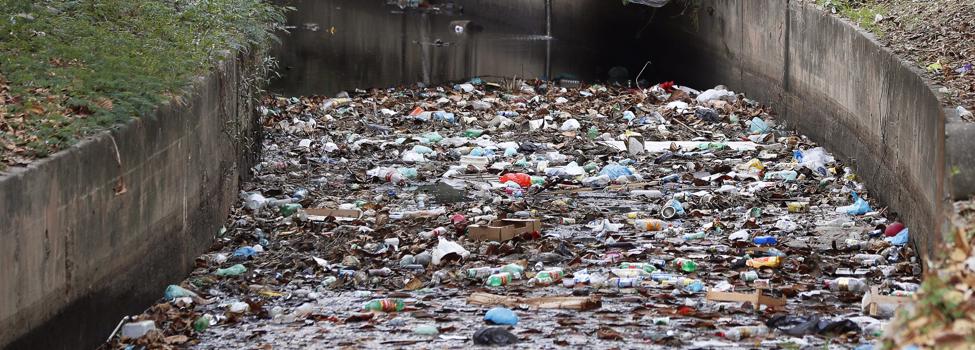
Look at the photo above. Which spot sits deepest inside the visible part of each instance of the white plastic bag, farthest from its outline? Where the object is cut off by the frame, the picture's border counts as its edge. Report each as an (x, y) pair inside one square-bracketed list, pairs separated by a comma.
[(445, 248)]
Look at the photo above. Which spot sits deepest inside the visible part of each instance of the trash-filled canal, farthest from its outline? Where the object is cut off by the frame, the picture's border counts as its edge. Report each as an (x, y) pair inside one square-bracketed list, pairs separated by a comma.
[(542, 215)]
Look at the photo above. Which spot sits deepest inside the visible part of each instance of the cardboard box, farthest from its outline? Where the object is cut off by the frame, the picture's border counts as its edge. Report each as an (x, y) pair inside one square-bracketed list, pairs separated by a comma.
[(503, 230)]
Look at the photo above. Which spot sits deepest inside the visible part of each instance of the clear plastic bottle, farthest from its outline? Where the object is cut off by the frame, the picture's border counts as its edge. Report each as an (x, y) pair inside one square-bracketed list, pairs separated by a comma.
[(648, 225), (847, 284), (694, 236), (719, 249), (623, 282), (515, 270), (745, 332), (868, 259), (648, 267)]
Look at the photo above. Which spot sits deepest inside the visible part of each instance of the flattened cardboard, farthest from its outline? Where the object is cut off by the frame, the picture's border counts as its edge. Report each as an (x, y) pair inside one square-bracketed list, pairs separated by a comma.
[(319, 214), (756, 299), (565, 303)]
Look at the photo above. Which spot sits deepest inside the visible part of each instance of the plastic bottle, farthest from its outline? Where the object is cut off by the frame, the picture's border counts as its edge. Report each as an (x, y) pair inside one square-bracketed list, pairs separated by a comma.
[(661, 276), (797, 207), (748, 276), (515, 270), (694, 236), (389, 175), (768, 261), (380, 272), (593, 133), (868, 259), (630, 273), (498, 279), (847, 284), (686, 265), (638, 265), (719, 249), (688, 284), (855, 244), (652, 194), (231, 271), (481, 272), (473, 133), (289, 209), (202, 323), (745, 332), (648, 225), (335, 102), (787, 176), (384, 305), (548, 277), (522, 179), (765, 240), (622, 282)]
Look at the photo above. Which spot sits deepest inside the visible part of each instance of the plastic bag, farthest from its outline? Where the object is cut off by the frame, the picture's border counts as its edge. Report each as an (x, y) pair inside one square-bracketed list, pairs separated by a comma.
[(859, 206), (814, 159), (759, 126), (570, 125), (712, 94), (900, 238), (614, 171), (445, 248)]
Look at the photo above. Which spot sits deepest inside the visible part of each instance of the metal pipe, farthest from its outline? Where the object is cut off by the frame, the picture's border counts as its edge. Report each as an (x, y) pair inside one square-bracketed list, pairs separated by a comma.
[(548, 39)]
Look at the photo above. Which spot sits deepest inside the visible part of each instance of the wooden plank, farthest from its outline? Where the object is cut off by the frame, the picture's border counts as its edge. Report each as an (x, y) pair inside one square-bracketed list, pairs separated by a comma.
[(566, 303)]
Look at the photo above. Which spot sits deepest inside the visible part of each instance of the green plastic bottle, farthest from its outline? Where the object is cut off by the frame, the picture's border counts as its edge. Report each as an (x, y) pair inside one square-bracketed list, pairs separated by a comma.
[(549, 276), (590, 167), (686, 265), (593, 132), (231, 271), (498, 279), (648, 267), (289, 209), (384, 305), (538, 180), (515, 270), (473, 133), (201, 323)]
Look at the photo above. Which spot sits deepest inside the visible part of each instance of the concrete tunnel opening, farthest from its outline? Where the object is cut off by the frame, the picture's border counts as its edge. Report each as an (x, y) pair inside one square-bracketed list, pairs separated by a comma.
[(763, 50)]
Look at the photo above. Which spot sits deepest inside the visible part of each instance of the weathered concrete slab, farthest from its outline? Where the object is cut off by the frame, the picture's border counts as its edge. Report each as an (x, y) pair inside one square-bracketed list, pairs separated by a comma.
[(79, 252)]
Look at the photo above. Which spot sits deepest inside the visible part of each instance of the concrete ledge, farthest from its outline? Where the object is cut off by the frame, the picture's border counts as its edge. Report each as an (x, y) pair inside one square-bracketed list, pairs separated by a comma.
[(829, 80), (79, 252)]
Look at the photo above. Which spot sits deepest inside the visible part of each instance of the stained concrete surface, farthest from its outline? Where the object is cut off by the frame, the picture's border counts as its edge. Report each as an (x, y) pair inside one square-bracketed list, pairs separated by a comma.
[(96, 232)]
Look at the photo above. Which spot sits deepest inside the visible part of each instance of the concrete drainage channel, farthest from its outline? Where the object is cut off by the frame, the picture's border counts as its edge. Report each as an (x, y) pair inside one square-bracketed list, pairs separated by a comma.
[(764, 49)]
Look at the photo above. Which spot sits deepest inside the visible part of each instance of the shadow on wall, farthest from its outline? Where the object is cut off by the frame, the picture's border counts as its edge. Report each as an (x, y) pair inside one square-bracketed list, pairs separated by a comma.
[(339, 45)]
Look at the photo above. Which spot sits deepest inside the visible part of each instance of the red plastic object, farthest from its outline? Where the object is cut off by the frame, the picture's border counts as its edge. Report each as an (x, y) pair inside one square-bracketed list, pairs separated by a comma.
[(893, 229), (522, 179)]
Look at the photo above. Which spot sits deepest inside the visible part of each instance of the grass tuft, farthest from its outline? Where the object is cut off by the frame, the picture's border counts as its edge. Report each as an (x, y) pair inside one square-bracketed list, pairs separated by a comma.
[(69, 68)]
